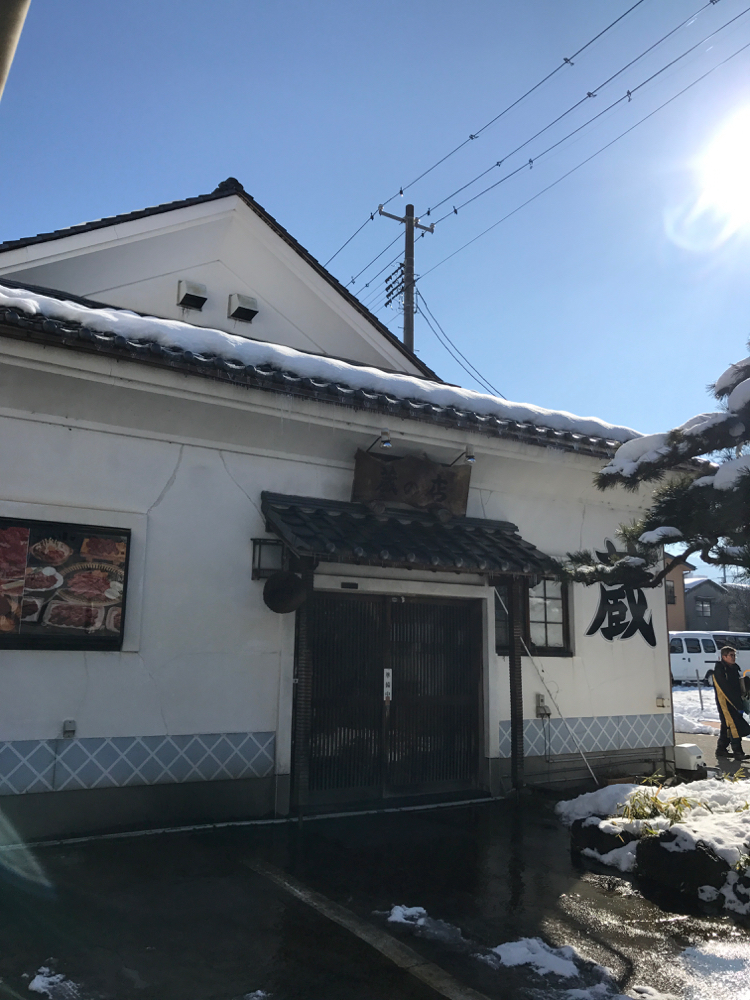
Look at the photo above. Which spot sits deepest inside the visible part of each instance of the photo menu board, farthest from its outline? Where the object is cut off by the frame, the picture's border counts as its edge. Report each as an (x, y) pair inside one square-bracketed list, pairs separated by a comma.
[(62, 586)]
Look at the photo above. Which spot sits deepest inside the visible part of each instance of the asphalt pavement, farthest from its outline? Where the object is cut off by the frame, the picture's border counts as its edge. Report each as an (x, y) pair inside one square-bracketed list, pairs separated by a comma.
[(201, 916)]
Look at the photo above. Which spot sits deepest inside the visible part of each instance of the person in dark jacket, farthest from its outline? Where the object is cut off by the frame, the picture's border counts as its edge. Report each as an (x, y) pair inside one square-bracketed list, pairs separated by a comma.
[(728, 692)]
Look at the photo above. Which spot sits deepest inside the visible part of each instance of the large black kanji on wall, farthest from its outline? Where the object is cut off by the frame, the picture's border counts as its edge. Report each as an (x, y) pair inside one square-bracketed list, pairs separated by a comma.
[(622, 611)]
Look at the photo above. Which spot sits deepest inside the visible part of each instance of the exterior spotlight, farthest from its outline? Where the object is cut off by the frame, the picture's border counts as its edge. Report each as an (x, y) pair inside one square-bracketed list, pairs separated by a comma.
[(467, 455), (385, 438)]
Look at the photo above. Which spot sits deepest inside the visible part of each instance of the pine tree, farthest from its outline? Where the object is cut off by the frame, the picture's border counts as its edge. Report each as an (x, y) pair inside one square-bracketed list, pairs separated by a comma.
[(702, 502)]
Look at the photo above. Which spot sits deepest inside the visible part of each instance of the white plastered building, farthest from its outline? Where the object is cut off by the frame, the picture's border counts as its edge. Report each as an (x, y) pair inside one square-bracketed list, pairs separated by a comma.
[(218, 438)]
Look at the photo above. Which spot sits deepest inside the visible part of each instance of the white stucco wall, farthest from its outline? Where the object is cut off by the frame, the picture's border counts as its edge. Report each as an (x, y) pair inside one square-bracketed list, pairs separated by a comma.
[(182, 462)]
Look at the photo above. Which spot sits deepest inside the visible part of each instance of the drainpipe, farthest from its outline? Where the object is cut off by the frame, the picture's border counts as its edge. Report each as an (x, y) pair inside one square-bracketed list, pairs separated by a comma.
[(12, 15)]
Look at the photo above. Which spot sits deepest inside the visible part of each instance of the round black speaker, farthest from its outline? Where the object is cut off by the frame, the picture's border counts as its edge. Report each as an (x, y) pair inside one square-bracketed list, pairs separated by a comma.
[(284, 592)]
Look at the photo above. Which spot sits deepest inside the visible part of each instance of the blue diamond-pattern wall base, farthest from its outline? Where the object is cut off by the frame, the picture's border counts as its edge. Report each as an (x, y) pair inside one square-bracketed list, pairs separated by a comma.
[(542, 738), (107, 762)]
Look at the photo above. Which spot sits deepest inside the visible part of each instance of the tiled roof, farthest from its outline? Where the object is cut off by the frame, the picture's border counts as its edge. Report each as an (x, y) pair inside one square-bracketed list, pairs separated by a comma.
[(339, 532), (231, 186), (50, 332)]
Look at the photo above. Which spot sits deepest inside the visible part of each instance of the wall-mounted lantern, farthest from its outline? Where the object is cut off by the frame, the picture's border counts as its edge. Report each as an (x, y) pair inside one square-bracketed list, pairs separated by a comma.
[(268, 557)]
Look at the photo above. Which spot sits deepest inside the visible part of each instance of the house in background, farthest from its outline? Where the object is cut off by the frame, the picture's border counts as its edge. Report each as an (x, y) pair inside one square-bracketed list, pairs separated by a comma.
[(674, 591), (713, 606), (256, 558)]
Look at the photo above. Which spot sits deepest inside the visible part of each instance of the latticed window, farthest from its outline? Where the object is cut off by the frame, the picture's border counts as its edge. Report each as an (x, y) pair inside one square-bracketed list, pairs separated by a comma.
[(703, 607), (545, 627), (547, 615)]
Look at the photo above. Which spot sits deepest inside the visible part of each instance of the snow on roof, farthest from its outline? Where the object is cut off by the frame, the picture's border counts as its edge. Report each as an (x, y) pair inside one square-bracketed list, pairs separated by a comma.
[(231, 186), (201, 340), (691, 582)]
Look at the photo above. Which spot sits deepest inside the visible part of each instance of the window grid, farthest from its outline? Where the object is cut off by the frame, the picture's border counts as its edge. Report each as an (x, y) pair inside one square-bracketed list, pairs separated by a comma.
[(547, 615), (703, 607), (545, 628)]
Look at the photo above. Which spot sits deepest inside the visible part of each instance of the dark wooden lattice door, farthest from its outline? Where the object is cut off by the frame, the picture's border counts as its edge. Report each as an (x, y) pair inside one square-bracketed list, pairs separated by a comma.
[(426, 739)]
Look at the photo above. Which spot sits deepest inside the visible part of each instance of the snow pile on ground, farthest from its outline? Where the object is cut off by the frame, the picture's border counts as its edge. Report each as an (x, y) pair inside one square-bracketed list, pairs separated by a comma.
[(684, 725), (686, 703), (603, 802), (712, 813), (53, 985), (715, 813), (205, 341)]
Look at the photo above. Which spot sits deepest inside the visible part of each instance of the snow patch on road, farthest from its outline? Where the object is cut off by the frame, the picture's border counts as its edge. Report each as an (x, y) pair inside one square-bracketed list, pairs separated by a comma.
[(537, 954), (563, 963), (423, 925), (54, 985)]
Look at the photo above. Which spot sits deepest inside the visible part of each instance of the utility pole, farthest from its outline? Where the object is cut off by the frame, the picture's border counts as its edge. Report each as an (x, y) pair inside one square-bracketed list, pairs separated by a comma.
[(12, 15), (408, 286)]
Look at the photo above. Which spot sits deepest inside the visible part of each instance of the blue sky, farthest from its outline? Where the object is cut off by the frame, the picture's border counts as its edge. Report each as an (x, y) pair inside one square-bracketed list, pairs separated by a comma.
[(591, 299)]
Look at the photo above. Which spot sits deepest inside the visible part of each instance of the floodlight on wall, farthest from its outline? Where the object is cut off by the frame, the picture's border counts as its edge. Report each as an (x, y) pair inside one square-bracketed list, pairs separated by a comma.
[(467, 455), (383, 439), (242, 307), (191, 294)]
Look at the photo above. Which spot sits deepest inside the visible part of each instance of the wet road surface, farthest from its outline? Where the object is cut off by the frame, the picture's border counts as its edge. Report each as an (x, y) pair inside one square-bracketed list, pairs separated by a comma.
[(182, 917)]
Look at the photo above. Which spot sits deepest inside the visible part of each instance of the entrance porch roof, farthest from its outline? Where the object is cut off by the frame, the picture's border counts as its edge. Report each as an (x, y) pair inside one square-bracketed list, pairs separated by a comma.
[(336, 531)]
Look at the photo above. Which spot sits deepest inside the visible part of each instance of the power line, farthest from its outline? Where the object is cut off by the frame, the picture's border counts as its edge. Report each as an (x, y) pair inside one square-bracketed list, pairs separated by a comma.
[(567, 61), (589, 94), (484, 386), (354, 278), (627, 96), (587, 160), (385, 267), (484, 380), (355, 233)]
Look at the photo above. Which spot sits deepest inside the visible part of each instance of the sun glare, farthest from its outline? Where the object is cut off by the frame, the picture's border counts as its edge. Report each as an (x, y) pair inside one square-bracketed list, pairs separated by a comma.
[(725, 173)]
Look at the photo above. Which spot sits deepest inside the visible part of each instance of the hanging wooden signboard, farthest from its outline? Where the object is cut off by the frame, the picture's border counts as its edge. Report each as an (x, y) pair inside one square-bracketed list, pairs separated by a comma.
[(417, 482)]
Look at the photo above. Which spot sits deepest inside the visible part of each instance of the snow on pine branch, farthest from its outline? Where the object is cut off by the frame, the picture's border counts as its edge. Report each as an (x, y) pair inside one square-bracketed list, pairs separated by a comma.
[(660, 535), (731, 378), (206, 341), (637, 459), (704, 505)]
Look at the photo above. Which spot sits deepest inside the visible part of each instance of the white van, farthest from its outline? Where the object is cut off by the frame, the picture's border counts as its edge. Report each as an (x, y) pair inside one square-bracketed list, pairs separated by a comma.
[(692, 655)]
